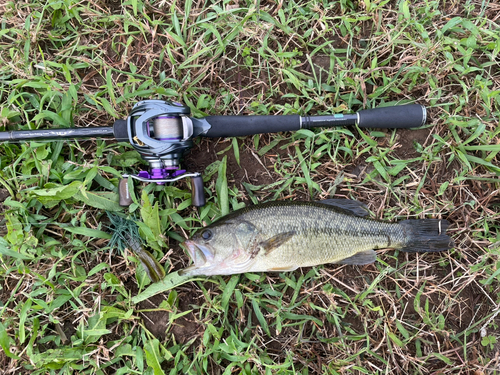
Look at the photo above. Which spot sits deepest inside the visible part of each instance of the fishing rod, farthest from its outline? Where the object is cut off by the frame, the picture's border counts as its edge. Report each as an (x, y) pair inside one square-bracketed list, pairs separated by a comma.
[(161, 131)]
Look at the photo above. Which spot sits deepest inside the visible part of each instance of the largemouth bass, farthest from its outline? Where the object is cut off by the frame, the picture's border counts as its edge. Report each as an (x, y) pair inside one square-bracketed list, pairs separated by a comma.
[(282, 236)]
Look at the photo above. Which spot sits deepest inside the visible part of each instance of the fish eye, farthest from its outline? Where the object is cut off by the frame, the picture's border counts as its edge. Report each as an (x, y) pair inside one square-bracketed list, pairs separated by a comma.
[(207, 234)]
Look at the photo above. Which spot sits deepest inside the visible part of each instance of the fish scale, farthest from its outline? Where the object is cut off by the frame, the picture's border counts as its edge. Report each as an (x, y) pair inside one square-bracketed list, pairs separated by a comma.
[(282, 236)]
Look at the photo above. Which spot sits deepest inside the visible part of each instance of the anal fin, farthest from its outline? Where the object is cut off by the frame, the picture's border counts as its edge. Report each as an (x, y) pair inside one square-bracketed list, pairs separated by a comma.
[(361, 258)]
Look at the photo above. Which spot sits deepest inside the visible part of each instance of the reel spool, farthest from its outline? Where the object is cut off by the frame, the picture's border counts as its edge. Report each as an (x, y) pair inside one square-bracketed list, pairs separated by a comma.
[(167, 128)]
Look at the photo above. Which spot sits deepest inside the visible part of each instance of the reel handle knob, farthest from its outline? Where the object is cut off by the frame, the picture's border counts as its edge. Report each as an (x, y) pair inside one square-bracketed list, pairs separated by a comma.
[(125, 199), (198, 194)]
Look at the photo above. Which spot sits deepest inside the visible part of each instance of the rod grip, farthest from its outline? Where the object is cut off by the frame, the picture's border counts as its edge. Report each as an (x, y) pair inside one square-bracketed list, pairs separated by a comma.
[(237, 126), (401, 116)]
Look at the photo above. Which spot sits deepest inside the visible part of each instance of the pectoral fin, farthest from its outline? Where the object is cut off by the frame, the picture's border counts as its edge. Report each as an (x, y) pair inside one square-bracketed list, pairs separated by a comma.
[(274, 242), (361, 258), (351, 206)]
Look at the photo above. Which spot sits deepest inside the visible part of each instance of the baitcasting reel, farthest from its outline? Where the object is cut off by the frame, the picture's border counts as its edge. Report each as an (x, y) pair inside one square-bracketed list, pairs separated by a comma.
[(161, 132)]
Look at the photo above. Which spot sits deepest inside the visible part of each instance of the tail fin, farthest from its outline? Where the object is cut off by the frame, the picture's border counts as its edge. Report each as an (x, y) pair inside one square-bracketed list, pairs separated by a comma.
[(427, 235)]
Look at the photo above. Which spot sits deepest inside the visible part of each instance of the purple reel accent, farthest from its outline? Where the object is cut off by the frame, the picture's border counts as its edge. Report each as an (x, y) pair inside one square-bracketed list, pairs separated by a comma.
[(161, 174)]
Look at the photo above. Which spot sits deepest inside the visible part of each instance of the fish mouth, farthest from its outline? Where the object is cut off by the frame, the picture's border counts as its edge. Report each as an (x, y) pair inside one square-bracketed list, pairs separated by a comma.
[(200, 254)]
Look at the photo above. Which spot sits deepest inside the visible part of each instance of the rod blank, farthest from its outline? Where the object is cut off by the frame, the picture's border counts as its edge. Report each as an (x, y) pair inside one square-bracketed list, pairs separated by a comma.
[(57, 134)]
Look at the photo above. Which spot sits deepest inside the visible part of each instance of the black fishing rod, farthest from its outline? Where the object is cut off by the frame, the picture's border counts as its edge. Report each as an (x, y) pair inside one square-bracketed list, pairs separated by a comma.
[(161, 131)]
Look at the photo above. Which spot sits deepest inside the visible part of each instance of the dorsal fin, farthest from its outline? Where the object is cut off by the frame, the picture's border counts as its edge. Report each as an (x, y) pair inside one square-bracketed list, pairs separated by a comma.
[(353, 207)]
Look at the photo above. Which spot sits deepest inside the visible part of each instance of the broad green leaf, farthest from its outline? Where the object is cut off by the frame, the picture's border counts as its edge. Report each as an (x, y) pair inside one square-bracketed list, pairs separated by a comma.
[(110, 85), (228, 291), (110, 312), (58, 192), (492, 148), (5, 250), (396, 169), (405, 9), (5, 342), (172, 280), (150, 215), (89, 232), (153, 356), (91, 174), (451, 23), (15, 232), (395, 339), (96, 332), (106, 200), (115, 283), (52, 117), (34, 335), (368, 140), (441, 357), (22, 320), (108, 107), (236, 150), (380, 169), (305, 169), (98, 268), (268, 147), (221, 188), (403, 330), (58, 357), (477, 160), (260, 317), (127, 159)]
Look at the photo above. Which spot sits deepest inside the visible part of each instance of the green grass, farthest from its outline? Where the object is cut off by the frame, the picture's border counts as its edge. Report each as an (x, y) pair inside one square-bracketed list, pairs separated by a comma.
[(71, 305)]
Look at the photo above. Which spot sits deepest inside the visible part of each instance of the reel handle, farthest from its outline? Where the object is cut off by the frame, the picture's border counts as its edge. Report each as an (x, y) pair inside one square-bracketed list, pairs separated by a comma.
[(197, 192)]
